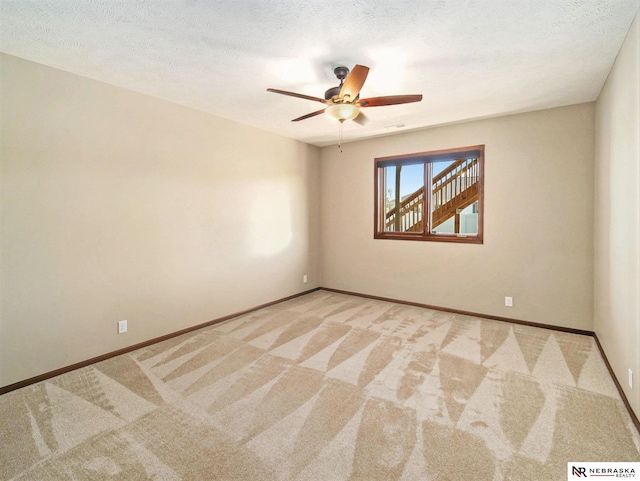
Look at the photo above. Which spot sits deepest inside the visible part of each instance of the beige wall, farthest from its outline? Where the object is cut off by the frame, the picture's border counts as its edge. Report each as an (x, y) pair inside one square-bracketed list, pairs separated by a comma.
[(538, 237), (115, 205), (617, 216)]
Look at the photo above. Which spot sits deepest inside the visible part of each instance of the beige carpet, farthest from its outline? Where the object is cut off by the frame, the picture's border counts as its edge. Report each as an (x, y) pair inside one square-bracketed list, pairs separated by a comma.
[(327, 387)]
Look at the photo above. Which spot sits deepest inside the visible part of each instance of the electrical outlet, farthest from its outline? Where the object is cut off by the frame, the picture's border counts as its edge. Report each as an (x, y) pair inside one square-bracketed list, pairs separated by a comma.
[(304, 278), (630, 378), (508, 301), (122, 327)]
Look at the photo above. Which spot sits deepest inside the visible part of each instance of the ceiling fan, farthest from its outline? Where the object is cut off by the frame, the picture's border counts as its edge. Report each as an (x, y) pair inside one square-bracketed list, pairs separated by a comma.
[(344, 102)]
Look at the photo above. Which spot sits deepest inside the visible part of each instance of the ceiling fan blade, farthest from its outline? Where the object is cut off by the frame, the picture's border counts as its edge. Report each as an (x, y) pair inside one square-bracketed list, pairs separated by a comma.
[(312, 114), (300, 96), (354, 82), (361, 119), (389, 100)]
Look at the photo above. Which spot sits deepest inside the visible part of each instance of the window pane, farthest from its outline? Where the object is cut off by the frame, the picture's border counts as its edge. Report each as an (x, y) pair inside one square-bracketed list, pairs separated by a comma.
[(431, 196), (454, 198), (404, 187)]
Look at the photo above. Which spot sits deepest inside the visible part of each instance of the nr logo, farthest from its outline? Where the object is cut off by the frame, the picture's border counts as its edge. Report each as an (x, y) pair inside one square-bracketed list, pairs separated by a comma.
[(579, 472)]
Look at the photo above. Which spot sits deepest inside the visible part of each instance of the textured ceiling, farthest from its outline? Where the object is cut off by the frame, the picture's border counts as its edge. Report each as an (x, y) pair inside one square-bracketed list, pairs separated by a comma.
[(469, 58)]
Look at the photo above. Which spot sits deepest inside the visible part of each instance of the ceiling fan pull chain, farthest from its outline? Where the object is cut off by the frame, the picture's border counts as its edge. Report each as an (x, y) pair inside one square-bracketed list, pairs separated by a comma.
[(340, 136)]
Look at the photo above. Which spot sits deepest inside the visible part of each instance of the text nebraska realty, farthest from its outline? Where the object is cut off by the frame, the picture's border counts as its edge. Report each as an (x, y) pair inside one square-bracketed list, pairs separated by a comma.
[(612, 472)]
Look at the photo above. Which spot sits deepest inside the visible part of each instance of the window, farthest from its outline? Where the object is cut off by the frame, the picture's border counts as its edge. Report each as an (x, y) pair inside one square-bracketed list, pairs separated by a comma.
[(448, 185)]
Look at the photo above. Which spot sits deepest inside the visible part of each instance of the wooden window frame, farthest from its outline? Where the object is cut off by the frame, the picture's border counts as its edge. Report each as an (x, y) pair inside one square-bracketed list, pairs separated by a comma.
[(426, 158)]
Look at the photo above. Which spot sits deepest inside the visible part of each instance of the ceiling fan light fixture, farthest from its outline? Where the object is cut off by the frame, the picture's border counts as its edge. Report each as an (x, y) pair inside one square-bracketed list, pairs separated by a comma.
[(342, 112)]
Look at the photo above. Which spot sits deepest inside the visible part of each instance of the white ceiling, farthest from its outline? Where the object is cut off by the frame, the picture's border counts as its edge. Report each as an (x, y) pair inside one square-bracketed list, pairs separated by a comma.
[(469, 58)]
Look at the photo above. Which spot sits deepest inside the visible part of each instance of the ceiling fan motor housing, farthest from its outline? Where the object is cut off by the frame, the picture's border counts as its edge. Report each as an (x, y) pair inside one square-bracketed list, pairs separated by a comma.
[(332, 92)]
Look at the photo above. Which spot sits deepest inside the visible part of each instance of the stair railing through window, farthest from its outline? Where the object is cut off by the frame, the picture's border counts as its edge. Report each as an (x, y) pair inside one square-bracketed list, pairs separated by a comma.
[(454, 201)]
